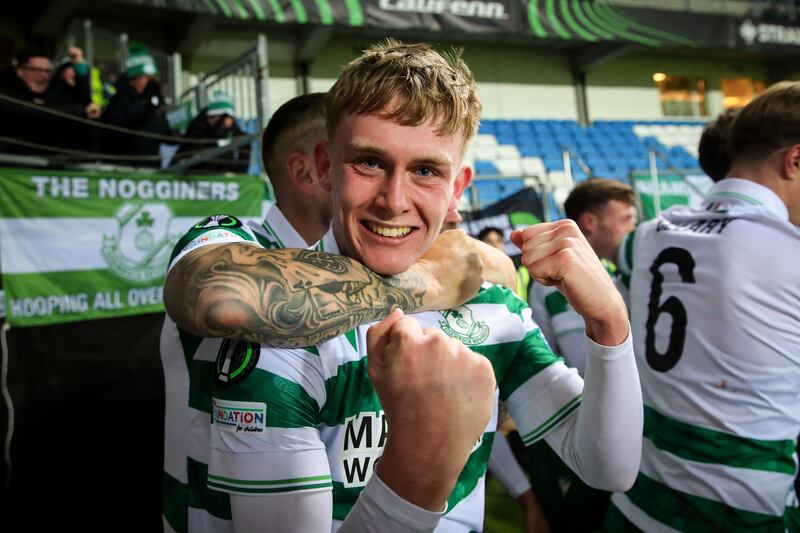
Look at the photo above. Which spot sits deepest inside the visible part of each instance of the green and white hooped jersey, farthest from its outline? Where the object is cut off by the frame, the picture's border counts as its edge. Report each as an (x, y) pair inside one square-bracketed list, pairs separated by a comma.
[(715, 315), (309, 420), (561, 325), (189, 365)]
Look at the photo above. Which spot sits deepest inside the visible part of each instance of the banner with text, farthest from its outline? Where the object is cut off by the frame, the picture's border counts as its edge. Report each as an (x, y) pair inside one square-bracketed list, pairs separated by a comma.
[(585, 21), (79, 246)]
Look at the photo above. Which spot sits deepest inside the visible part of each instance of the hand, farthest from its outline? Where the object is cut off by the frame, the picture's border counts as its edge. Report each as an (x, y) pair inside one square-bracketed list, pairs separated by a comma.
[(75, 54), (497, 266), (557, 254), (455, 266), (437, 396), (92, 110)]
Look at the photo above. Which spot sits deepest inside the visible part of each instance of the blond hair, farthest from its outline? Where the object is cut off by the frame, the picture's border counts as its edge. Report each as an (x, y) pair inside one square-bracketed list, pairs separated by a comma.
[(410, 84)]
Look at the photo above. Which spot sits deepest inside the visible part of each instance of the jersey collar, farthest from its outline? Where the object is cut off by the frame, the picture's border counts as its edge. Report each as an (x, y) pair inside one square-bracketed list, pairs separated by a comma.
[(327, 243), (275, 224), (737, 191)]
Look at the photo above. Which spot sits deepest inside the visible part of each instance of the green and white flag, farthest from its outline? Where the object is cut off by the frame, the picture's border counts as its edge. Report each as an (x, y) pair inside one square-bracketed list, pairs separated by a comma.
[(81, 245), (673, 190)]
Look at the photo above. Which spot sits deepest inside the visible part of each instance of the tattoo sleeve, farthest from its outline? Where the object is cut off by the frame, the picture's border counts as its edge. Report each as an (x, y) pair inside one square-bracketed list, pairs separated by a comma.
[(288, 298)]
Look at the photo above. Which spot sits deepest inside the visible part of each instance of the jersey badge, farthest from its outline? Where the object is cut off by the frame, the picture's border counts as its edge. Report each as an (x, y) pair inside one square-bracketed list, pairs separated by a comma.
[(240, 417), (235, 361), (459, 324), (219, 221)]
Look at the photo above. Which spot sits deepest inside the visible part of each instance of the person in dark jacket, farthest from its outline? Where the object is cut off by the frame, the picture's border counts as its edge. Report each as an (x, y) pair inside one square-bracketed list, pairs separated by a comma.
[(137, 105), (69, 91), (27, 80), (216, 121)]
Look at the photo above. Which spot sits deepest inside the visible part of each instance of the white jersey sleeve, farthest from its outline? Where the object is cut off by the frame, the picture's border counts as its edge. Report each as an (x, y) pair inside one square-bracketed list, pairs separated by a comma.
[(602, 441), (560, 324), (216, 229)]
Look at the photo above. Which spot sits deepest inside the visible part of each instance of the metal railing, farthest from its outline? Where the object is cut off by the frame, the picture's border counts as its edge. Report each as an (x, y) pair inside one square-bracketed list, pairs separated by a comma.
[(244, 78), (108, 51)]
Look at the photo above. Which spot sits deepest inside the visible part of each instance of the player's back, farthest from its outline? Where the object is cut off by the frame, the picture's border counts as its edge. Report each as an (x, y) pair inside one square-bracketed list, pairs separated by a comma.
[(715, 308)]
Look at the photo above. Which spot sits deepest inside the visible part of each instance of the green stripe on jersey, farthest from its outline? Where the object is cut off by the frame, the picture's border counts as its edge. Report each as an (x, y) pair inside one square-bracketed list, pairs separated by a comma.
[(537, 433), (556, 303), (269, 487), (703, 445), (686, 512), (497, 294), (189, 343), (473, 471), (178, 497), (348, 393), (288, 404), (629, 251), (523, 368), (201, 380), (175, 503)]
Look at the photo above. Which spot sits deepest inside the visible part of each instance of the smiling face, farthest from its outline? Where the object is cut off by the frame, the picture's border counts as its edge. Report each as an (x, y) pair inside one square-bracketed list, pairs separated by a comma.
[(391, 186)]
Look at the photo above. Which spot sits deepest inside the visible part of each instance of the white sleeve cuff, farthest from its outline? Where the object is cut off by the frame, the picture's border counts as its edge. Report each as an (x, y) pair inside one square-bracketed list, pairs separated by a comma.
[(398, 510), (609, 353)]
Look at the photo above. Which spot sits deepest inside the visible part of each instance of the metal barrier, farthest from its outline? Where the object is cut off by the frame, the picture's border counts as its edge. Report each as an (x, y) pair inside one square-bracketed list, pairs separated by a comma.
[(108, 51), (244, 78)]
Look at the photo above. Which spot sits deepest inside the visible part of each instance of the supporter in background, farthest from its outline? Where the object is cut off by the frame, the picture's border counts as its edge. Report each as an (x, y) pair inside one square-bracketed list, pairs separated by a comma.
[(605, 212), (217, 121), (137, 105), (713, 153), (715, 308), (70, 92), (27, 79)]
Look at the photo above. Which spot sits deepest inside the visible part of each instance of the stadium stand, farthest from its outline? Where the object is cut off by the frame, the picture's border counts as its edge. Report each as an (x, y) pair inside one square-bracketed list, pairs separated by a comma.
[(526, 149)]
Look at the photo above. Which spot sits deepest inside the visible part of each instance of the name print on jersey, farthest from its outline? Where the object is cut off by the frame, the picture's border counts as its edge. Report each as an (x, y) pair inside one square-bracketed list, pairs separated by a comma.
[(716, 225), (364, 438)]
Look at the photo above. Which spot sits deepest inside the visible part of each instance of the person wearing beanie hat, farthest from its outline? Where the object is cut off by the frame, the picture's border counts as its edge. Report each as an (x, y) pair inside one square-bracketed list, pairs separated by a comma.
[(221, 104), (138, 105), (216, 121)]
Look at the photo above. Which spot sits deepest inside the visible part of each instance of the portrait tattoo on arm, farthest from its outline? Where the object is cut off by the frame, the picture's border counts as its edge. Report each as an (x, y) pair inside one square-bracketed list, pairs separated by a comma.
[(288, 298)]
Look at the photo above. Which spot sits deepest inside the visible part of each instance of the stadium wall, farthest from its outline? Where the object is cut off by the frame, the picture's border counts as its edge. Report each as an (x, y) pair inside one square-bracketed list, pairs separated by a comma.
[(624, 88)]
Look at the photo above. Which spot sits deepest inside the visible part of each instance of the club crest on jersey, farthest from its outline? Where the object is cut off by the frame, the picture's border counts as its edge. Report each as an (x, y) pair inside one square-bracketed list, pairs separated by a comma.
[(218, 221), (235, 361), (459, 324)]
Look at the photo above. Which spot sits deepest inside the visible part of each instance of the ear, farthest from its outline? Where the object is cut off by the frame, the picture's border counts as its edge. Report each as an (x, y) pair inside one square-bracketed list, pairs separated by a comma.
[(300, 171), (323, 163), (791, 163), (463, 179), (587, 222)]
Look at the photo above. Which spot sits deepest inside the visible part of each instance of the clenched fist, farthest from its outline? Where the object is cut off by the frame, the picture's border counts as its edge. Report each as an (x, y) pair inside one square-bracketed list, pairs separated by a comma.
[(557, 253), (437, 396), (455, 266)]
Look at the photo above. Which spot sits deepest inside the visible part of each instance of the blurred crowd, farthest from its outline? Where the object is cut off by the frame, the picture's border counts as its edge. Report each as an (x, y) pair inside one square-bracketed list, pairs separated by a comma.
[(66, 110)]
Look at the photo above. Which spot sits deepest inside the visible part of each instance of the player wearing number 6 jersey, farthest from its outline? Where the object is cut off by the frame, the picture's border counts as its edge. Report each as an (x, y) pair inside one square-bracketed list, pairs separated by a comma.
[(715, 310)]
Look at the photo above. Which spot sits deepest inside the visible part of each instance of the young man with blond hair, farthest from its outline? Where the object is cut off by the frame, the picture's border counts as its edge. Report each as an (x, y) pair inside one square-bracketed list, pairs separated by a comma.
[(296, 435), (715, 310)]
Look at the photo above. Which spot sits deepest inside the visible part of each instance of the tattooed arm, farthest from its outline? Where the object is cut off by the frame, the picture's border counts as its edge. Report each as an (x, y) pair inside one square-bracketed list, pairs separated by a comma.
[(297, 298)]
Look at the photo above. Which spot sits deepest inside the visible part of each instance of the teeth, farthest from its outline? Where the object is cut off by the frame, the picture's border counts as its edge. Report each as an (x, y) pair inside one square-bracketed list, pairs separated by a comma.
[(389, 232)]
